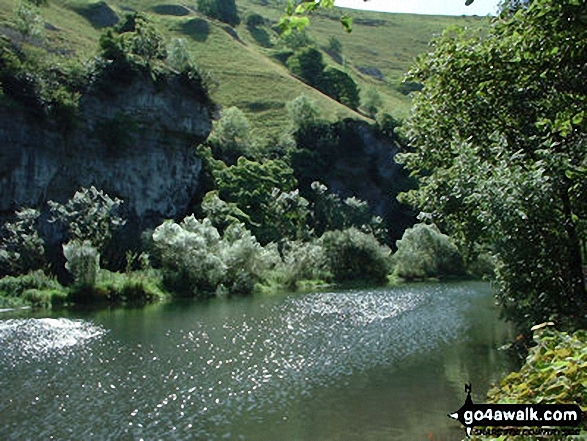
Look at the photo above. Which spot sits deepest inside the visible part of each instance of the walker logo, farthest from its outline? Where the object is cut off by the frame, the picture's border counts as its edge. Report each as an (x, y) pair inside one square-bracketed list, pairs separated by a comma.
[(515, 415)]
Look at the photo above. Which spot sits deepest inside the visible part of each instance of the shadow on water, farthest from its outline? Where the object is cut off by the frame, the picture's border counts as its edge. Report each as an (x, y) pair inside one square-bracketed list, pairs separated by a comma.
[(354, 365)]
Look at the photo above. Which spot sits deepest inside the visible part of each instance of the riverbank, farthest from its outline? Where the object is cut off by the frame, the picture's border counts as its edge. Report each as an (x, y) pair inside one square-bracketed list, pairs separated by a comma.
[(38, 290)]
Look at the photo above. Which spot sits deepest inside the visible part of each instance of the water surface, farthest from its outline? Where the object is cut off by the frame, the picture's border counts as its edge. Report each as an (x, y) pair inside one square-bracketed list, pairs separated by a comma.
[(384, 364)]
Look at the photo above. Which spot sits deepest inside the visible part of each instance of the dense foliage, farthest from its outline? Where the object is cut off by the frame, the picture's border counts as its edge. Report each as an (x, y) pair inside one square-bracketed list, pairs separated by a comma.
[(308, 64), (89, 216), (200, 262), (555, 372), (21, 247), (223, 10), (499, 143), (425, 252), (352, 255)]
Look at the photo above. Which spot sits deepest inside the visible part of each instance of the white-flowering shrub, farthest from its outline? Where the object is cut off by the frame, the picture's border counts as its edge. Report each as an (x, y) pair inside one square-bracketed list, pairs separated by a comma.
[(424, 251), (198, 261), (83, 262)]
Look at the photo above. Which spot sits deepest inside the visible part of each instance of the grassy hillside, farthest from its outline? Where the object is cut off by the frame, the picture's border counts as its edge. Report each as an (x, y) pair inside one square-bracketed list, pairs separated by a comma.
[(377, 54)]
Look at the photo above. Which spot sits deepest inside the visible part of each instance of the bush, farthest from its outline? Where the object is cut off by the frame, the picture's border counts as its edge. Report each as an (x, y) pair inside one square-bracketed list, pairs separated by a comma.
[(254, 20), (372, 101), (223, 10), (555, 372), (21, 247), (83, 262), (352, 255), (231, 137), (28, 21), (199, 262), (330, 212), (340, 86), (136, 288), (90, 216), (424, 252), (34, 288), (301, 261), (302, 112), (250, 185), (307, 63)]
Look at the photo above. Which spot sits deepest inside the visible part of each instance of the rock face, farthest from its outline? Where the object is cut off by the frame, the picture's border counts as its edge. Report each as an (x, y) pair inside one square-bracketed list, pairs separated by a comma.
[(136, 144), (353, 158)]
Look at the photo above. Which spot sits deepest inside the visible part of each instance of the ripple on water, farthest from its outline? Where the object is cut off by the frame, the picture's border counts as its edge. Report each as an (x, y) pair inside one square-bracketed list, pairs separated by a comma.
[(208, 374), (26, 339)]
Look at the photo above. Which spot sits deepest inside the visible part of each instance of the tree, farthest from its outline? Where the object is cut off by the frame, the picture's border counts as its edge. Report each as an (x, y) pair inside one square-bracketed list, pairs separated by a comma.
[(302, 111), (372, 101), (308, 64), (231, 137), (28, 21), (21, 247), (499, 139), (264, 192), (89, 216), (340, 86), (223, 10)]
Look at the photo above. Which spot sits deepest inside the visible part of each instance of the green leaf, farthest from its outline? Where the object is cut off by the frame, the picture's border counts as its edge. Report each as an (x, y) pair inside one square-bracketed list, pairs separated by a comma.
[(469, 2), (578, 118), (306, 7), (299, 23), (347, 23)]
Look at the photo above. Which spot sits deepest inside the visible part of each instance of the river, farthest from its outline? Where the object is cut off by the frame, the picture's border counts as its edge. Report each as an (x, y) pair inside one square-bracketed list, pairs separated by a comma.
[(368, 365)]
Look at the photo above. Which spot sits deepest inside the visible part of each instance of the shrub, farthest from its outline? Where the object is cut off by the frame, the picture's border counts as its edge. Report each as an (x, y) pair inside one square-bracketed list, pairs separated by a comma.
[(198, 261), (330, 212), (89, 216), (339, 86), (297, 40), (372, 101), (307, 63), (302, 111), (254, 20), (231, 137), (352, 255), (21, 247), (250, 185), (424, 252), (35, 288), (178, 57), (136, 288), (28, 21), (83, 262), (555, 372), (223, 10), (301, 261)]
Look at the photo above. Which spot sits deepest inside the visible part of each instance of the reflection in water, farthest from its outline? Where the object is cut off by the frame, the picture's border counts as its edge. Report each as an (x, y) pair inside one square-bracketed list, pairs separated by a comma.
[(364, 364)]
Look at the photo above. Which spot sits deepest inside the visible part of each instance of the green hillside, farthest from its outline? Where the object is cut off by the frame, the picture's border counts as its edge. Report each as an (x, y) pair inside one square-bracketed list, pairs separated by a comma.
[(241, 61)]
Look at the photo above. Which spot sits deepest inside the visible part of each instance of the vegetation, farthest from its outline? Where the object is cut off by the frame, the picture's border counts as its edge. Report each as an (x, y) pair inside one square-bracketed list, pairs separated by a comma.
[(500, 154), (425, 252), (223, 10), (352, 255), (555, 372), (21, 249)]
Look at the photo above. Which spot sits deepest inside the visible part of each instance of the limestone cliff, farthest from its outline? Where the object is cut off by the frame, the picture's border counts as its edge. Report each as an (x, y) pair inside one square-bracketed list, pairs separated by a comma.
[(135, 142)]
